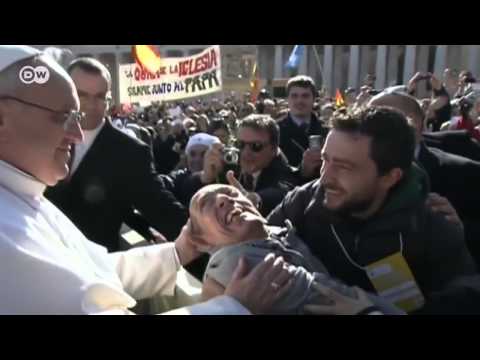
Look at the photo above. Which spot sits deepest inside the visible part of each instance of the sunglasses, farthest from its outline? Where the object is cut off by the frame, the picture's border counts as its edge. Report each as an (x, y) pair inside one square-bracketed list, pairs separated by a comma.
[(68, 118), (255, 146)]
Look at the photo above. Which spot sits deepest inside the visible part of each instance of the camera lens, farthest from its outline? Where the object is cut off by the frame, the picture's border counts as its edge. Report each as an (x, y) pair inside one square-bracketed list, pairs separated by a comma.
[(230, 156)]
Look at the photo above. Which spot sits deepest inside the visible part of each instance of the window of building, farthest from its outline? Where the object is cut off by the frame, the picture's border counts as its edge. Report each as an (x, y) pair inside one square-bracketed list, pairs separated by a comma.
[(174, 53), (195, 51)]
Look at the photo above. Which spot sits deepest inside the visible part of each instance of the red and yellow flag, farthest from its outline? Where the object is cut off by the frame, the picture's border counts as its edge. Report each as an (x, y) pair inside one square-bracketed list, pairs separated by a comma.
[(255, 83), (339, 102), (147, 56)]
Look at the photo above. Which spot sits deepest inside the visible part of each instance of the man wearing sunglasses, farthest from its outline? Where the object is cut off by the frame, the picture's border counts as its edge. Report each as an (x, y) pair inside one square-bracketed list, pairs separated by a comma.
[(264, 170)]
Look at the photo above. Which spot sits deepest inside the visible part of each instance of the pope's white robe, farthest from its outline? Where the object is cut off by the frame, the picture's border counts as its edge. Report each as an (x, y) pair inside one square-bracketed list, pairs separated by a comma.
[(47, 266)]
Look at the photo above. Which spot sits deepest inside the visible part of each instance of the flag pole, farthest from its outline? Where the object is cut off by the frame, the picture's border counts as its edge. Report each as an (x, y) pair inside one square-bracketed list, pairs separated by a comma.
[(319, 63)]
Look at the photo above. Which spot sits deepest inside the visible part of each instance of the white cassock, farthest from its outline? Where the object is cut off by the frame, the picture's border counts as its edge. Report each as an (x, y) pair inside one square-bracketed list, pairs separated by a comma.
[(47, 266)]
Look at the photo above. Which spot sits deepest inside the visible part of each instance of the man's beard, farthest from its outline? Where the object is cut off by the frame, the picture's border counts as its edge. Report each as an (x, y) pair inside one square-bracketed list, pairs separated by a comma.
[(351, 206)]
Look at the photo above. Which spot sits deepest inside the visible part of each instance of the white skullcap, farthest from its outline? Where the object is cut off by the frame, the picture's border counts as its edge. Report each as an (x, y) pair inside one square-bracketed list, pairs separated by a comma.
[(201, 139), (177, 122), (10, 54)]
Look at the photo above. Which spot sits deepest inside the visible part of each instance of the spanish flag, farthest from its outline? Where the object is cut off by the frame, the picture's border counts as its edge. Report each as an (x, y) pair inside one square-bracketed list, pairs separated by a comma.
[(147, 56), (339, 102), (255, 83)]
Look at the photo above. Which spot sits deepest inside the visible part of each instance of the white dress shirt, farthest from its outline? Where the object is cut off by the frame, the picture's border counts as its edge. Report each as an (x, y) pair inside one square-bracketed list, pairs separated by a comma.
[(300, 121), (49, 267), (81, 149)]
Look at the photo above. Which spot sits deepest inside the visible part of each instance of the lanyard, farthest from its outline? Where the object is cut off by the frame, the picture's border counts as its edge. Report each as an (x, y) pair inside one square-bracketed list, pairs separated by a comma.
[(345, 252)]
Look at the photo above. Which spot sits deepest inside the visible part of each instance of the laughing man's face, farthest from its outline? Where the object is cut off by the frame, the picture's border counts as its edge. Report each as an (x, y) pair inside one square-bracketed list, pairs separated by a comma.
[(224, 216)]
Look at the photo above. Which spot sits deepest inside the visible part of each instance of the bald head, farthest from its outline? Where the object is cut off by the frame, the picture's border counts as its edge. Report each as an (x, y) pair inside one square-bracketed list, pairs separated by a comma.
[(405, 103)]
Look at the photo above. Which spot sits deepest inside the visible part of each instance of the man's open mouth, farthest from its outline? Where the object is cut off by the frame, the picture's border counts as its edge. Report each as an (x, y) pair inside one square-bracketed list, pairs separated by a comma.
[(230, 215)]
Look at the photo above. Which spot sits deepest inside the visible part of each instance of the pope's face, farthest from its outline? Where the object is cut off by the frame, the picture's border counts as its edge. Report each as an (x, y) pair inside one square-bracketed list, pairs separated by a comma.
[(35, 140)]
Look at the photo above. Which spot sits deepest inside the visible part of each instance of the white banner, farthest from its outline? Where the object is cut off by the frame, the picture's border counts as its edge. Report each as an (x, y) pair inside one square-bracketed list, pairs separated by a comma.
[(178, 78)]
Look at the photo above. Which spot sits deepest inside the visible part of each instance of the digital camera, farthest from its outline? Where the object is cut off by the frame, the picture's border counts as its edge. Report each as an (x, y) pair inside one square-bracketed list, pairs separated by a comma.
[(315, 141), (231, 155)]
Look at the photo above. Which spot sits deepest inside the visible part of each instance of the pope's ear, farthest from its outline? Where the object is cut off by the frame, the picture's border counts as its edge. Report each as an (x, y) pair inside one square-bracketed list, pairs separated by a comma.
[(2, 112), (2, 122)]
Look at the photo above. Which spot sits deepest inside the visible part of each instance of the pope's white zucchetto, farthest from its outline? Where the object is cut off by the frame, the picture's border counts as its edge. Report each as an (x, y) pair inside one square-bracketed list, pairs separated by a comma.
[(11, 54)]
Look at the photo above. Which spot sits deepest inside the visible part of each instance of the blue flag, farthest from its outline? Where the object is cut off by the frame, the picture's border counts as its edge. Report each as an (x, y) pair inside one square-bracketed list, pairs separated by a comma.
[(295, 57)]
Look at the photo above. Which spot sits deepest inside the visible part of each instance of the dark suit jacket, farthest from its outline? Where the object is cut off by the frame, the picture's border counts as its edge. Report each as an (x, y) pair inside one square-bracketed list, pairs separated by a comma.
[(290, 132), (458, 179), (115, 176), (183, 184), (165, 158), (457, 142), (274, 182)]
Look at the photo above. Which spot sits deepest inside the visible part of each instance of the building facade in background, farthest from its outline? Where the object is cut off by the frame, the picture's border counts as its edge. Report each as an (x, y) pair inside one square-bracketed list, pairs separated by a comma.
[(341, 66), (332, 66)]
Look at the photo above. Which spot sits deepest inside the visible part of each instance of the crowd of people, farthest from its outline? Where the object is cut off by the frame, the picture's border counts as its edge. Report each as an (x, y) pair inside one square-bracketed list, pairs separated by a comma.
[(363, 203)]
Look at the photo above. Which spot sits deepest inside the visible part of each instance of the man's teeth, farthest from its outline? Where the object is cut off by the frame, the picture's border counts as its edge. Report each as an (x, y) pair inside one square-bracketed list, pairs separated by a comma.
[(333, 192), (232, 214)]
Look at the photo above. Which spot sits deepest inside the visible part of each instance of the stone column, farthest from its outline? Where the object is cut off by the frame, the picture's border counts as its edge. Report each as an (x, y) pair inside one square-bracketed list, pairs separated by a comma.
[(278, 64), (409, 68), (354, 65), (302, 68), (328, 68), (381, 67)]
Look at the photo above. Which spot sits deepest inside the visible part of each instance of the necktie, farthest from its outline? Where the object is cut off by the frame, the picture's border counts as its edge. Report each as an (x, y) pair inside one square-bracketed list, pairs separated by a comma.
[(248, 182), (304, 128)]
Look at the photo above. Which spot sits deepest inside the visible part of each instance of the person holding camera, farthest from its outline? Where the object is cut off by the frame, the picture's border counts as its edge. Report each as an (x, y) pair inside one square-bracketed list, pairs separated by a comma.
[(263, 171), (300, 123)]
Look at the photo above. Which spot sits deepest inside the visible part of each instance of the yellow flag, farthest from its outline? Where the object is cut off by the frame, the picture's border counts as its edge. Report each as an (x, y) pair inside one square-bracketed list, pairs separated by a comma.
[(148, 57), (339, 102), (254, 83)]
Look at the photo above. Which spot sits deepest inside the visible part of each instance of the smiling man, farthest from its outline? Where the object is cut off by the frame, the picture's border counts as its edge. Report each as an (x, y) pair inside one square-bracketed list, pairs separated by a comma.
[(227, 225), (369, 208), (299, 124), (264, 171)]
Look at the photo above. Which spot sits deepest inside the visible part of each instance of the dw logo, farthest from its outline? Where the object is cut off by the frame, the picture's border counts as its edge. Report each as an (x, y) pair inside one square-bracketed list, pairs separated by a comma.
[(29, 74)]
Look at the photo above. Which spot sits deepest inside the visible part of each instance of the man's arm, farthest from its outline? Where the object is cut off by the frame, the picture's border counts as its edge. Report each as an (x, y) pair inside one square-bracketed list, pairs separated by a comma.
[(147, 270), (188, 186), (292, 207), (272, 196), (36, 280), (447, 253), (183, 184), (281, 179), (150, 196)]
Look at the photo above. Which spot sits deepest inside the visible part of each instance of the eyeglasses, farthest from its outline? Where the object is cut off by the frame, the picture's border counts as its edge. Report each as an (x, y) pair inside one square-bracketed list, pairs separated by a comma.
[(68, 118), (255, 146)]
